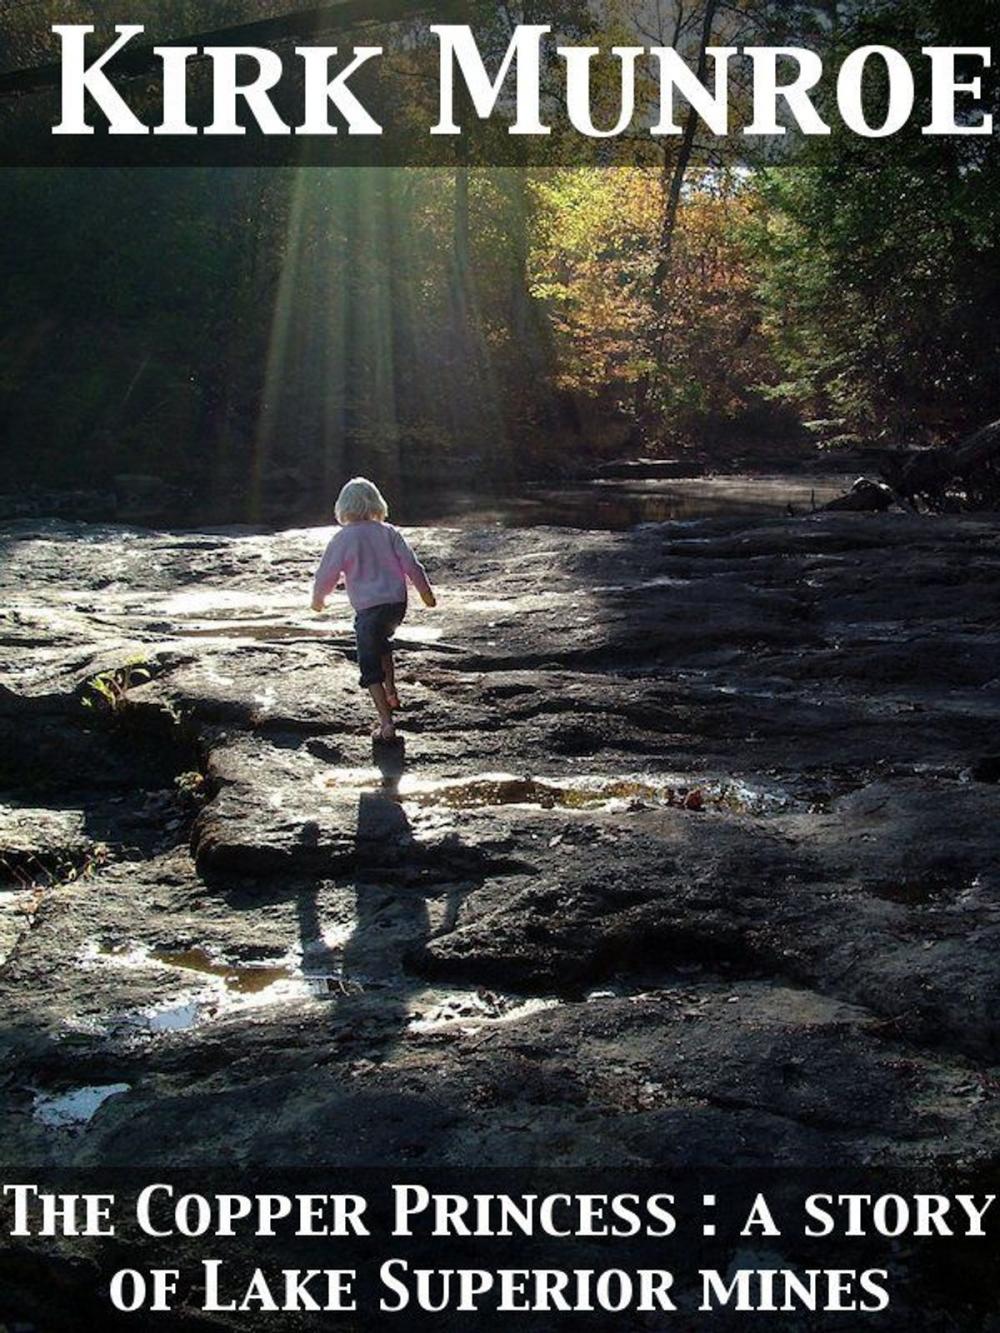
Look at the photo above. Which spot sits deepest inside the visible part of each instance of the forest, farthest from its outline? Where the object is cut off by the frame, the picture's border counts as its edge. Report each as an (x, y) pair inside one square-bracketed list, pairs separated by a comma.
[(256, 333)]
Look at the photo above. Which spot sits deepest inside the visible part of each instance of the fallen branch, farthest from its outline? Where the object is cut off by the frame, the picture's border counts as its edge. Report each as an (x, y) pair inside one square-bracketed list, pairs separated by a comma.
[(864, 497), (968, 473)]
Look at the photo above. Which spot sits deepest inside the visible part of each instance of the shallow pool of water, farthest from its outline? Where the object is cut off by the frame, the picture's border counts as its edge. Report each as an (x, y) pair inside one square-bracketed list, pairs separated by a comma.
[(223, 989), (238, 978), (75, 1107), (582, 792)]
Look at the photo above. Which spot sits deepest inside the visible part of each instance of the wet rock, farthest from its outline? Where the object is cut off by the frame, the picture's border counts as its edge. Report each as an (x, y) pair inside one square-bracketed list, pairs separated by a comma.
[(790, 957)]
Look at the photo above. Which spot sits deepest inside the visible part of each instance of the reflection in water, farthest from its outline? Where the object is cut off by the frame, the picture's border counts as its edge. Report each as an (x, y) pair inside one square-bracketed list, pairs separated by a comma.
[(618, 505), (242, 979), (586, 791), (221, 986), (177, 1016)]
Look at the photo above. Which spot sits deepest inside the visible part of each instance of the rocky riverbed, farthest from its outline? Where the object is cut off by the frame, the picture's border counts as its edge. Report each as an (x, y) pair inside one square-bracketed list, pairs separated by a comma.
[(691, 856)]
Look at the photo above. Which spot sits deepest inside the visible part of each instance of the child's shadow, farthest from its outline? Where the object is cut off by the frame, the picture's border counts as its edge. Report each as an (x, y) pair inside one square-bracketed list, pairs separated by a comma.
[(367, 975), (389, 757)]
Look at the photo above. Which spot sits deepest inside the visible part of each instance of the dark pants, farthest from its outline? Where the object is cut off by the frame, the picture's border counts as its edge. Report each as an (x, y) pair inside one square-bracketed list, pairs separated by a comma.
[(374, 628)]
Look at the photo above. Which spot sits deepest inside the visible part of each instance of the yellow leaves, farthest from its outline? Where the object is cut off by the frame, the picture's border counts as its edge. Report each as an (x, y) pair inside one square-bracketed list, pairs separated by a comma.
[(595, 247)]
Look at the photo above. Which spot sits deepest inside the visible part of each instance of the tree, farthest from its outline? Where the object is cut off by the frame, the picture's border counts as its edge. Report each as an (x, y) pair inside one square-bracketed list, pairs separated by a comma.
[(878, 261)]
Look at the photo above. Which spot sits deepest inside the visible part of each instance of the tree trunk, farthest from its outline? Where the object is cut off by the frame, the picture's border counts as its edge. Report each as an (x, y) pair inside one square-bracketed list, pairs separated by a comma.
[(460, 224), (675, 182)]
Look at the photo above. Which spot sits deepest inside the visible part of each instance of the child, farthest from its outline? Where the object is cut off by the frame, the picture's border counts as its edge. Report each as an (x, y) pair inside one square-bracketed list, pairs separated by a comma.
[(375, 561)]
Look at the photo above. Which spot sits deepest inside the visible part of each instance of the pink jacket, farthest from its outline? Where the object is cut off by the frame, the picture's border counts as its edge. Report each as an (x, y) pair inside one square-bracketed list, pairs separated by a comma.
[(375, 560)]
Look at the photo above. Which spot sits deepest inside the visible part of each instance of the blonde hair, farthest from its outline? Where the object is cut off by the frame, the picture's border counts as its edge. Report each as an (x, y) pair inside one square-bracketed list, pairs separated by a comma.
[(361, 499)]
